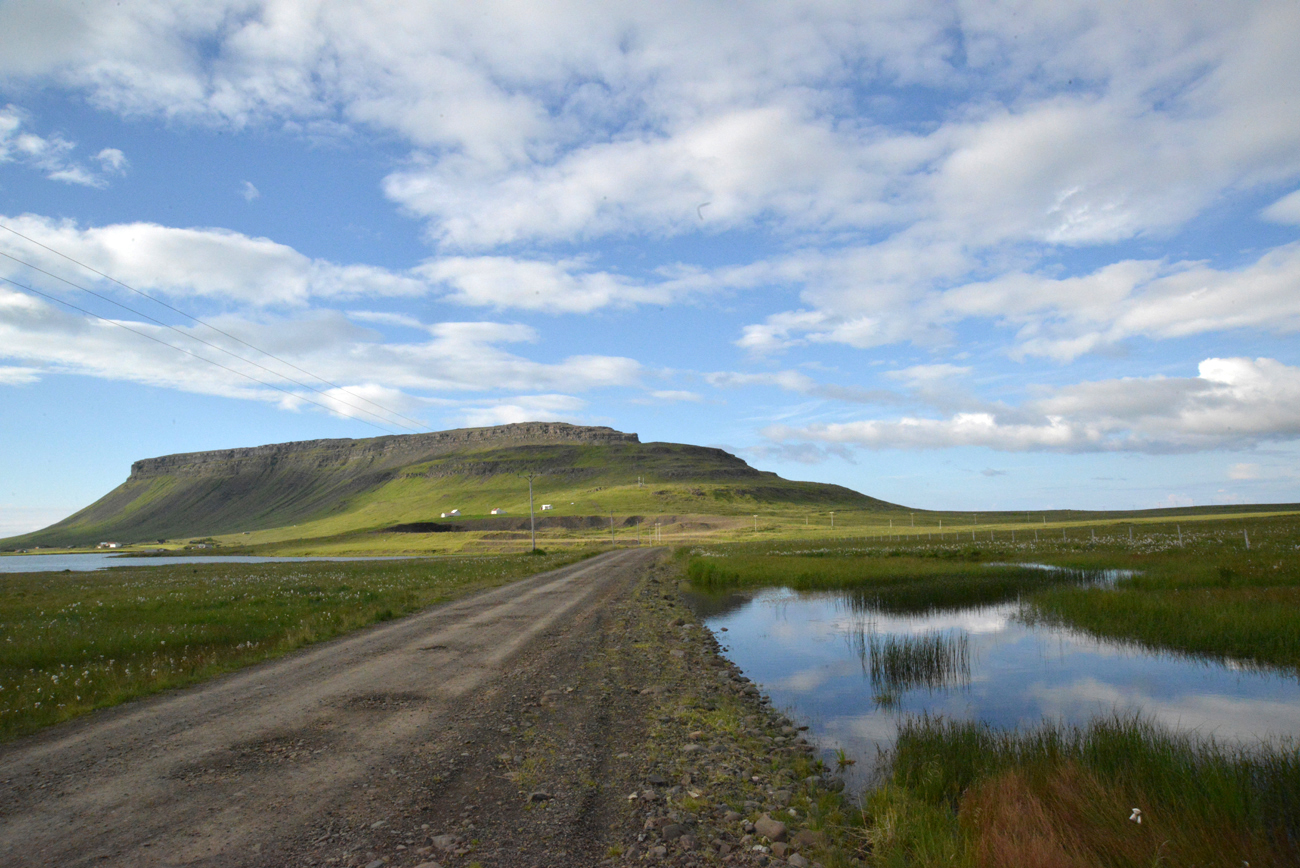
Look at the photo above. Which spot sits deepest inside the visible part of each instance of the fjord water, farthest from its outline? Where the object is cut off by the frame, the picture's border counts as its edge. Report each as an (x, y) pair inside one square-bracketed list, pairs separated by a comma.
[(850, 671)]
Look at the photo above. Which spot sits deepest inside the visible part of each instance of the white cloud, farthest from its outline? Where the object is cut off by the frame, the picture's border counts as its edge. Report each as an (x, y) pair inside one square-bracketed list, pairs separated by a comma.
[(926, 375), (1284, 210), (1059, 318), (214, 263), (1232, 403), (677, 395), (524, 408), (235, 268), (456, 358), (18, 376), (794, 381), (112, 161), (249, 192), (1244, 471), (52, 155), (562, 287), (1085, 122)]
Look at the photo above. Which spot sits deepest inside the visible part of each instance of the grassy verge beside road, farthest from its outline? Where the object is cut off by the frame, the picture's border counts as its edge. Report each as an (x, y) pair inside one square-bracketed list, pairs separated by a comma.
[(74, 642)]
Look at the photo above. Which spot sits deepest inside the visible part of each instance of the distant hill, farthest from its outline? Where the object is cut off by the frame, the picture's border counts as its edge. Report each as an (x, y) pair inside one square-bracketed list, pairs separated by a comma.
[(326, 487)]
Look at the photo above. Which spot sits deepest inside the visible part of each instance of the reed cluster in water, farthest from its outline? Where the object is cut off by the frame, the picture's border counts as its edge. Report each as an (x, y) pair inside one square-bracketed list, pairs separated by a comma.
[(896, 664)]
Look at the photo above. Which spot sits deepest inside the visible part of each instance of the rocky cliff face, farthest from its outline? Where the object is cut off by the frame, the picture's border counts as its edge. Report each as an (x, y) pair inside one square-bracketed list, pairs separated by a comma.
[(374, 452)]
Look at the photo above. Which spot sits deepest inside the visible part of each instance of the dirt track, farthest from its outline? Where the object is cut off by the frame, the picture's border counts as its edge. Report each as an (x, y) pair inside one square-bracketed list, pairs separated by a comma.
[(362, 749)]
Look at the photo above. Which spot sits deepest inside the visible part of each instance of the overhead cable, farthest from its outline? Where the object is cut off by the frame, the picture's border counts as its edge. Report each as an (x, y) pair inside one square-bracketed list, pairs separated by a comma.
[(419, 425), (90, 313), (217, 347)]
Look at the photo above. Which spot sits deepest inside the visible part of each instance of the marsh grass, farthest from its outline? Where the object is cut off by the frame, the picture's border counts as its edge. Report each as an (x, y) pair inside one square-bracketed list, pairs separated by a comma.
[(1063, 796), (897, 585), (74, 642)]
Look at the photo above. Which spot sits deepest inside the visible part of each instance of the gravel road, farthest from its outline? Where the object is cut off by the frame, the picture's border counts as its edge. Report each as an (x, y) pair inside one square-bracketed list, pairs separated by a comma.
[(482, 729)]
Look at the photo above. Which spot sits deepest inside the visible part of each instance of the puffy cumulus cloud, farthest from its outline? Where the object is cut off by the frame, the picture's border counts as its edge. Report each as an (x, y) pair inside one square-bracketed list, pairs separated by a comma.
[(1053, 317), (52, 155), (715, 173), (1231, 403), (358, 370), (227, 266), (1079, 122), (213, 263), (1063, 318), (563, 287)]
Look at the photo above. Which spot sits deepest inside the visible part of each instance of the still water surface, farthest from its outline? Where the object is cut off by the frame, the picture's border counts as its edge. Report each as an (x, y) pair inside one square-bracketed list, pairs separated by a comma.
[(850, 671), (103, 560)]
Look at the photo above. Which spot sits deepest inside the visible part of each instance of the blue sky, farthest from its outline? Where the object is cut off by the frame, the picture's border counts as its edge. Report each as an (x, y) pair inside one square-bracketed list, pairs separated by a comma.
[(954, 255)]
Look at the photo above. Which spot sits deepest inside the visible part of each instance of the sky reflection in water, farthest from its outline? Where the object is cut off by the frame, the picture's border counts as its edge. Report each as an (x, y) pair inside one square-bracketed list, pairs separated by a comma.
[(805, 651)]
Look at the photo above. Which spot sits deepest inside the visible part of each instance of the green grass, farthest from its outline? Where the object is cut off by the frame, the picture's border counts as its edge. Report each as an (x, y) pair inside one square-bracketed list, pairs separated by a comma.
[(884, 580), (963, 793), (74, 642)]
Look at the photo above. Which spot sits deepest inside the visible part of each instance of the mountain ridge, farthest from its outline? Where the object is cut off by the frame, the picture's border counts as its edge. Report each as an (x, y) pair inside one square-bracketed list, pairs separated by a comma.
[(345, 486)]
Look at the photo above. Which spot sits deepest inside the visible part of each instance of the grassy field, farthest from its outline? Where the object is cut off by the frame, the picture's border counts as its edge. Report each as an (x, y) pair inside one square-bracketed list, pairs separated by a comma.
[(74, 642), (1224, 589)]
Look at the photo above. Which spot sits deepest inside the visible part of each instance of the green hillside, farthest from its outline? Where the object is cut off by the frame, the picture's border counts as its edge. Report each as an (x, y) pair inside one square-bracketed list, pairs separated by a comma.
[(331, 488)]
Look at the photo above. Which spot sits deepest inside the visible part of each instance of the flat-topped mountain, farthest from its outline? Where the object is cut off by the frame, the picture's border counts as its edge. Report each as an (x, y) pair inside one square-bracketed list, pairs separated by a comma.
[(393, 450), (331, 487)]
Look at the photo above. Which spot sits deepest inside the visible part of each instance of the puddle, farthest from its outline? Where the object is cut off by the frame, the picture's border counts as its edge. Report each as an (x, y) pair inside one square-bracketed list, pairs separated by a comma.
[(851, 670)]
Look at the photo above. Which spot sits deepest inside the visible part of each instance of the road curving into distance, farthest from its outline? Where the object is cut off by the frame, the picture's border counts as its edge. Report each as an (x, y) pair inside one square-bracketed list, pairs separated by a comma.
[(268, 765)]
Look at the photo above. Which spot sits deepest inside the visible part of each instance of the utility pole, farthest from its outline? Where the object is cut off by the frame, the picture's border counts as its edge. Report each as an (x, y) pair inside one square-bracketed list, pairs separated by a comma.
[(612, 541), (755, 524), (832, 519), (532, 522), (912, 516)]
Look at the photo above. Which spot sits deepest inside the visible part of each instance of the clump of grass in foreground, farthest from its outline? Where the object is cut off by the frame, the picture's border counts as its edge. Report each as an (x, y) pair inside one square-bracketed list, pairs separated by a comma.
[(966, 794), (73, 642)]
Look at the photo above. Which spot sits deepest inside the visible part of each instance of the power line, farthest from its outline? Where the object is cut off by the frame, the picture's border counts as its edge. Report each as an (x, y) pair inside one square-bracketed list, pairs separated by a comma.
[(217, 347), (419, 425), (54, 298)]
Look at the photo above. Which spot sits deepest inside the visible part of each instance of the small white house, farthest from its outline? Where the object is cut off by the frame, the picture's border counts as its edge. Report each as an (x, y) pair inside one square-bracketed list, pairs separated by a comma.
[(108, 545), (498, 511), (545, 506), (452, 514)]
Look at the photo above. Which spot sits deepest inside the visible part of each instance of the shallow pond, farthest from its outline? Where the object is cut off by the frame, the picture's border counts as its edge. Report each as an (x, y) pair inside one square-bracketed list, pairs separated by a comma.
[(103, 560), (850, 671)]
